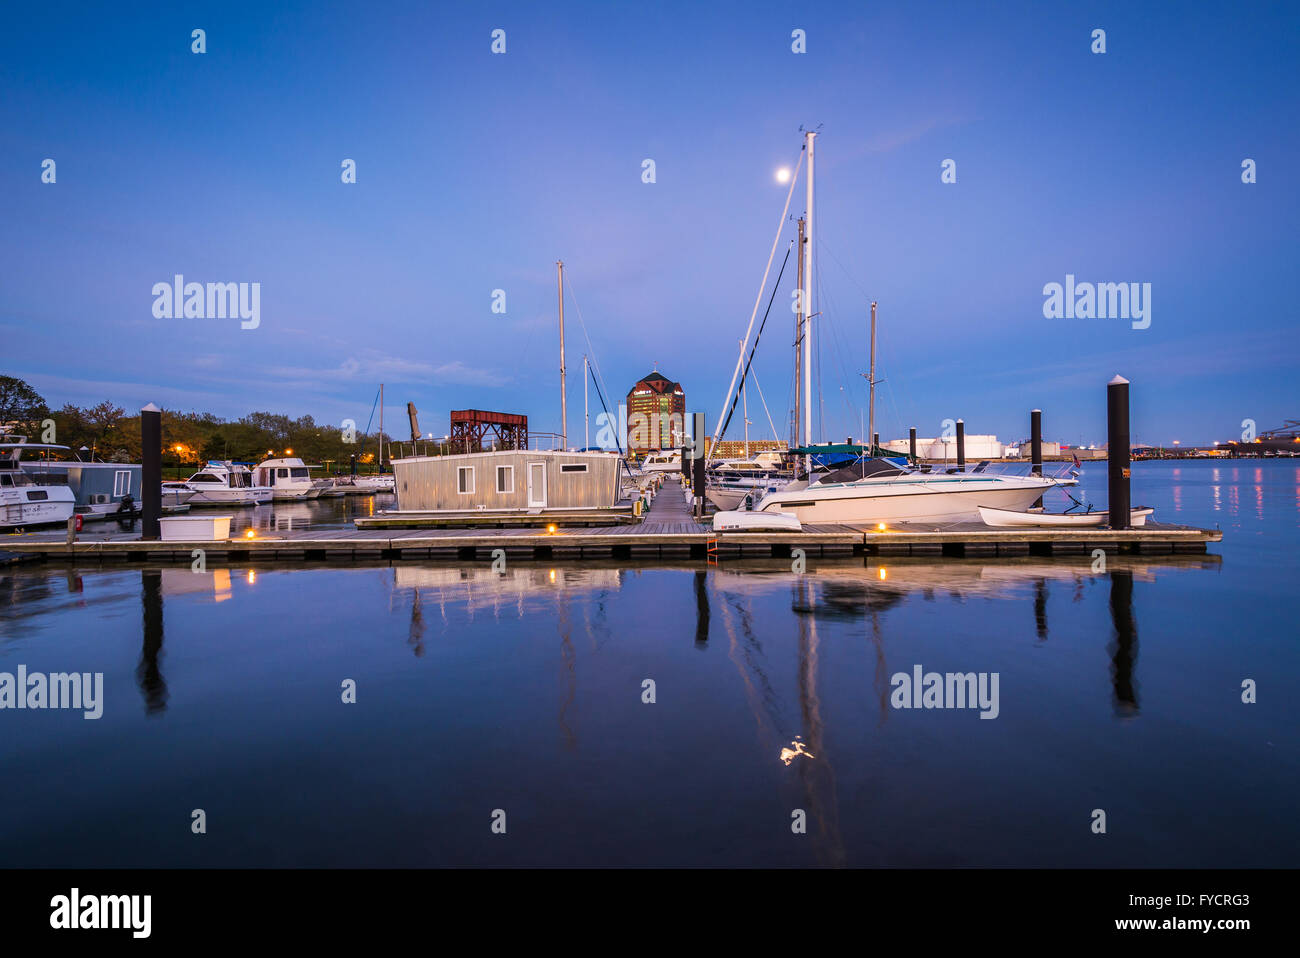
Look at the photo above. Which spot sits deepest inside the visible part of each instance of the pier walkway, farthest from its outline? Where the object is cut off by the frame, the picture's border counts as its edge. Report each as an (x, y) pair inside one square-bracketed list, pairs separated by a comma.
[(667, 531)]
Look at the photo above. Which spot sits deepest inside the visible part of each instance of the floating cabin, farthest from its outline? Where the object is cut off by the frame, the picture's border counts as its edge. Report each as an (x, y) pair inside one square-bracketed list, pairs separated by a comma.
[(100, 487), (516, 481)]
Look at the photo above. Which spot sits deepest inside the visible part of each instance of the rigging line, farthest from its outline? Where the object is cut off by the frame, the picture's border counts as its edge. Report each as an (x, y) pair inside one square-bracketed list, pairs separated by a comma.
[(775, 434), (591, 351), (361, 452), (717, 438), (601, 397), (759, 298)]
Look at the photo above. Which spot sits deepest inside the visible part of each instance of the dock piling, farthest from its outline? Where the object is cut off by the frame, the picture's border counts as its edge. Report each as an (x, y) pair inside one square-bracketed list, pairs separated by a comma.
[(1117, 453), (150, 472), (1036, 447), (911, 438), (961, 446)]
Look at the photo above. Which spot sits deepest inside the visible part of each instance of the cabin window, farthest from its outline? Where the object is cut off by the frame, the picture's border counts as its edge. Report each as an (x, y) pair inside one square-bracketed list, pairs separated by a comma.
[(573, 467), (34, 495), (298, 472), (122, 482), (203, 477), (282, 473), (505, 479), (465, 479), (5, 480)]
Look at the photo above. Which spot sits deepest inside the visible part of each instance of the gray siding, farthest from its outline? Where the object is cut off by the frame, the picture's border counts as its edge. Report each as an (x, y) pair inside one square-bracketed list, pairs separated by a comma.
[(431, 483)]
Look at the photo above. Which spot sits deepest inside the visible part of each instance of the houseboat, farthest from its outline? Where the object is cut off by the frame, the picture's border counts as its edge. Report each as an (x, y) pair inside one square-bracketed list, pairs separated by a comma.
[(289, 479), (518, 481)]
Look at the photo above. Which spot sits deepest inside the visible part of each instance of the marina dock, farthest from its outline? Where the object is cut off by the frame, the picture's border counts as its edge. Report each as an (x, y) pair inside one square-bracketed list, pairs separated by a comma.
[(668, 532)]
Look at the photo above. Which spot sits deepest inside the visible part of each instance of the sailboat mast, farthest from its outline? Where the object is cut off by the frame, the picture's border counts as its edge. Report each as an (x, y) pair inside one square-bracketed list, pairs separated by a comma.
[(586, 417), (809, 137), (381, 427), (871, 402), (744, 399), (798, 346), (564, 403)]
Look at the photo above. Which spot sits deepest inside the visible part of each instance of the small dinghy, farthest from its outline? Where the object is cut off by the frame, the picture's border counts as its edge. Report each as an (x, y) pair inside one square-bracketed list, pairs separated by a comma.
[(746, 521), (1006, 518)]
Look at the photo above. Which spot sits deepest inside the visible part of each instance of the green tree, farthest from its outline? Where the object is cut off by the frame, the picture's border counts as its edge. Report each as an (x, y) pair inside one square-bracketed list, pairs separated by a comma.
[(20, 404)]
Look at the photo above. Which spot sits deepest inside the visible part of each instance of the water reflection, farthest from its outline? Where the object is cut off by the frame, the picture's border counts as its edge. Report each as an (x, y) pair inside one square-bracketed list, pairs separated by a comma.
[(1124, 647), (148, 673)]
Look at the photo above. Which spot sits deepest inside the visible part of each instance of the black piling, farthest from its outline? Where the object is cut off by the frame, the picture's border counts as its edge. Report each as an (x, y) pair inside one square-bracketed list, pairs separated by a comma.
[(151, 472), (1117, 455), (961, 446), (875, 443), (1036, 446), (911, 439)]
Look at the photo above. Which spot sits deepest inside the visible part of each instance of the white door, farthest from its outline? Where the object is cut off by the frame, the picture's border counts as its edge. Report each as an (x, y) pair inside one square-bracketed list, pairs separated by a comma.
[(536, 484)]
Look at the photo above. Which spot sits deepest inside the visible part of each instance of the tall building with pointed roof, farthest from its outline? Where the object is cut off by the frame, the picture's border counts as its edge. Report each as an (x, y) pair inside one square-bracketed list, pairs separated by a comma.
[(656, 414)]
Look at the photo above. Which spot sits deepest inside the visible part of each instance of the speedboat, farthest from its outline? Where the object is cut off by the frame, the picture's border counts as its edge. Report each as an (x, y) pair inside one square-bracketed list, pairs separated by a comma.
[(23, 502), (876, 490), (288, 478)]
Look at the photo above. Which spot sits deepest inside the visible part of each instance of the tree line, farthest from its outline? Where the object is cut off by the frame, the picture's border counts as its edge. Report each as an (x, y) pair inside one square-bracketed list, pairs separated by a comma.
[(107, 433)]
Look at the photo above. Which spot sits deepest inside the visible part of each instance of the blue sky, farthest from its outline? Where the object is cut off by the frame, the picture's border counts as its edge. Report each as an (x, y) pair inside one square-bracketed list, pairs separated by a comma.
[(477, 171)]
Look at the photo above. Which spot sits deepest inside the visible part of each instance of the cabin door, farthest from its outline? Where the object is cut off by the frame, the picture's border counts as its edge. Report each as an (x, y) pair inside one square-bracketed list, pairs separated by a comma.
[(536, 485)]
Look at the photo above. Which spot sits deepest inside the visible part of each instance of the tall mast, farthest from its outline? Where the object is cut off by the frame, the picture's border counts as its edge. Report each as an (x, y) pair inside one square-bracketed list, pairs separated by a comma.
[(798, 345), (871, 380), (744, 398), (809, 312), (381, 427), (586, 417), (564, 402)]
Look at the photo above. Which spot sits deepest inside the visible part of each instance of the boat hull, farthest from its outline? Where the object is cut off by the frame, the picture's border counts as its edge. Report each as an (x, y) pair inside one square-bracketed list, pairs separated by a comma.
[(1001, 518), (944, 499)]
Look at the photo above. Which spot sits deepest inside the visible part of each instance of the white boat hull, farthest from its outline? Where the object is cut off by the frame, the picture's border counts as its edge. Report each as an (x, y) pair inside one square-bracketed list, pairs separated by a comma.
[(1002, 518), (17, 510), (749, 521), (910, 499)]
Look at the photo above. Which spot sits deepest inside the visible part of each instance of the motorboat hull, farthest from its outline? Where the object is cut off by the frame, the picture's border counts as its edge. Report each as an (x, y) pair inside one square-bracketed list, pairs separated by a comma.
[(749, 521), (914, 498)]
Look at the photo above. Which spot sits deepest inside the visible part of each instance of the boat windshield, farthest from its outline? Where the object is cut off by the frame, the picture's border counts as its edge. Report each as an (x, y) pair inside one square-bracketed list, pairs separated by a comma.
[(864, 469)]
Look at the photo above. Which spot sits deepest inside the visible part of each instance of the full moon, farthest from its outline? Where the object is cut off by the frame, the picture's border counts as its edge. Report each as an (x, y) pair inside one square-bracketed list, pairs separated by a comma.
[(783, 175)]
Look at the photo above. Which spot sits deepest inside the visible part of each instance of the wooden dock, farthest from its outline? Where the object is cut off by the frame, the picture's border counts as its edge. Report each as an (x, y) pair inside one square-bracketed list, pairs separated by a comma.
[(668, 532)]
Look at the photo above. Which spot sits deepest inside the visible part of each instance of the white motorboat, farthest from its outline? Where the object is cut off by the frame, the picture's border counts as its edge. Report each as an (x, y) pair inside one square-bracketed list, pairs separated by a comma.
[(219, 483), (23, 502), (659, 461), (288, 478), (1005, 518), (369, 484), (752, 521), (877, 491), (730, 491)]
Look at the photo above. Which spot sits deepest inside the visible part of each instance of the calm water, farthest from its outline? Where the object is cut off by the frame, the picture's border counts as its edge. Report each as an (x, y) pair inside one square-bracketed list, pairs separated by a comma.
[(522, 692)]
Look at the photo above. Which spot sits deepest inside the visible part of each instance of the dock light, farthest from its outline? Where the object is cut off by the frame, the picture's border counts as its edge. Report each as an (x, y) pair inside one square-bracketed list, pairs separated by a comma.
[(551, 528), (249, 534), (783, 175), (881, 527)]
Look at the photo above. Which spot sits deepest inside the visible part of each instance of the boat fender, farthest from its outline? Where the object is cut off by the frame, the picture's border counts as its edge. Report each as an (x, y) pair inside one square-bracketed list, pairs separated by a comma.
[(77, 522)]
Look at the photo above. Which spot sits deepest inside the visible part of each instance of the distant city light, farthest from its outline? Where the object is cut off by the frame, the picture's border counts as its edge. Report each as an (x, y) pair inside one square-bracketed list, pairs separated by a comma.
[(783, 175)]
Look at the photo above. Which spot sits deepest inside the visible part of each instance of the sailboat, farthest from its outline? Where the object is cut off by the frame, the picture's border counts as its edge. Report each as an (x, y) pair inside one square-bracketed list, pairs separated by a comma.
[(873, 490)]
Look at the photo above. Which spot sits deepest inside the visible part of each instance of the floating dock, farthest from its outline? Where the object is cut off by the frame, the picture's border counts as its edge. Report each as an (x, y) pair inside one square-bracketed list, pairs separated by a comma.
[(668, 532)]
